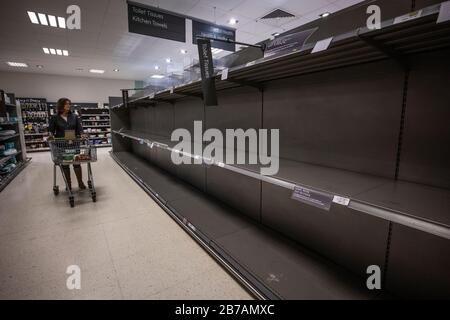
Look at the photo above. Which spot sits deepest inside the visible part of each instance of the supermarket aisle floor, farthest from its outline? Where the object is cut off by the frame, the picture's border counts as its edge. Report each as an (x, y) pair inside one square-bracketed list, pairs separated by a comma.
[(126, 246)]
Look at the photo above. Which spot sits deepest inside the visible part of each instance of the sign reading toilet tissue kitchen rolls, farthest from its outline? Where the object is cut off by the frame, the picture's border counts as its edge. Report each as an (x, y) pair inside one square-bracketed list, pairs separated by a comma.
[(154, 22)]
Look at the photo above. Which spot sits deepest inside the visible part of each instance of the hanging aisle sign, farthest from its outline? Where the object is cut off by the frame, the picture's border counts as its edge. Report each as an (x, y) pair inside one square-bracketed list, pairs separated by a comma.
[(207, 30), (155, 22), (207, 72), (288, 43)]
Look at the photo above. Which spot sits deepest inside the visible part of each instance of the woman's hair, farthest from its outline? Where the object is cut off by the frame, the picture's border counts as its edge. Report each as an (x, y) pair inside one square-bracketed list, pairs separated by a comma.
[(60, 105)]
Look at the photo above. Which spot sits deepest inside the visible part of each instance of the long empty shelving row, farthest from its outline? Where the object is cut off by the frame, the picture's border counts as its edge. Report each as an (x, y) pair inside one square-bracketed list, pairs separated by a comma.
[(361, 125), (380, 197), (285, 270)]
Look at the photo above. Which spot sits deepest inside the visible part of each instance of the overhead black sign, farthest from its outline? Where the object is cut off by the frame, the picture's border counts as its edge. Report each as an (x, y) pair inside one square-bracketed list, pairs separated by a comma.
[(288, 43), (155, 23), (207, 30), (207, 72)]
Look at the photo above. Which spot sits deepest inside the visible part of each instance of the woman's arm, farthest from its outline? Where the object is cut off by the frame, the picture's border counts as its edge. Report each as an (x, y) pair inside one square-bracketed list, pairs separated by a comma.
[(52, 125)]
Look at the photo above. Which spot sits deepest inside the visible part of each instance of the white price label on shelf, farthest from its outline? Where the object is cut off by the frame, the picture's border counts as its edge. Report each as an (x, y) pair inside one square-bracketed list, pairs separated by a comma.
[(313, 198), (444, 12), (408, 17), (322, 45), (221, 164), (224, 74), (341, 200), (151, 96), (171, 90), (248, 64)]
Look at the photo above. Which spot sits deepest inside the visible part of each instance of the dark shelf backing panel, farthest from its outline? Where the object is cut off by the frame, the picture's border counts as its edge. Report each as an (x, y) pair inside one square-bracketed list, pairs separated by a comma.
[(348, 119), (187, 111), (166, 186), (290, 270), (425, 3), (418, 264), (236, 190), (425, 156), (352, 239), (238, 108), (120, 119), (420, 201)]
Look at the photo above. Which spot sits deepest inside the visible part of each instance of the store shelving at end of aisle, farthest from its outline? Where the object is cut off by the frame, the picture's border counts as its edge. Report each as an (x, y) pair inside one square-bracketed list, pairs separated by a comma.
[(6, 178)]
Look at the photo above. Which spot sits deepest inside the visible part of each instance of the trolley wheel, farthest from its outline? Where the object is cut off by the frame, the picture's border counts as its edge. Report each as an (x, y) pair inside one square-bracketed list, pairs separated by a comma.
[(94, 197), (72, 202), (56, 190)]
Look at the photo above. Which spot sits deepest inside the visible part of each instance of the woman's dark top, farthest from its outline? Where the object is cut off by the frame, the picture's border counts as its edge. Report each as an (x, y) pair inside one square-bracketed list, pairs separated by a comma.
[(57, 125)]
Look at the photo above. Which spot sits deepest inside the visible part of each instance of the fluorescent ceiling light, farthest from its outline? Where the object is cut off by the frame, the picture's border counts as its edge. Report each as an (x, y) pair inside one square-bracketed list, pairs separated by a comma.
[(168, 60), (18, 64), (58, 52), (33, 17), (157, 76), (183, 51), (43, 19), (62, 22), (325, 14), (156, 67), (276, 34), (52, 20), (116, 70), (96, 71), (233, 21)]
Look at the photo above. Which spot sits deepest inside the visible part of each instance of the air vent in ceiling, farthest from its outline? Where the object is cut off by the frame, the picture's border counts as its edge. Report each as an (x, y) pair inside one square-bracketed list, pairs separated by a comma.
[(278, 13)]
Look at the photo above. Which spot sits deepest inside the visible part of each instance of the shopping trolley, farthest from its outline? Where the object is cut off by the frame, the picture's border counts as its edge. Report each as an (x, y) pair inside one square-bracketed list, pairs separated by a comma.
[(70, 152)]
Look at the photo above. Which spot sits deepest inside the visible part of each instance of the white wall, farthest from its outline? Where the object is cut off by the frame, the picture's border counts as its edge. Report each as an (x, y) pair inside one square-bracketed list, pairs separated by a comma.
[(53, 87)]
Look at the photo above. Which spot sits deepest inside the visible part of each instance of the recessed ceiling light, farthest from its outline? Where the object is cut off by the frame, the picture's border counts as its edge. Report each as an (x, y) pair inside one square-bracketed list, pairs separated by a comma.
[(233, 21), (116, 70), (43, 19), (156, 67), (157, 76), (39, 66), (62, 22), (183, 51), (325, 14), (33, 17), (168, 60), (96, 71), (52, 21), (18, 64), (58, 52)]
